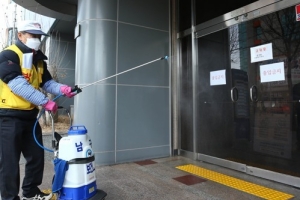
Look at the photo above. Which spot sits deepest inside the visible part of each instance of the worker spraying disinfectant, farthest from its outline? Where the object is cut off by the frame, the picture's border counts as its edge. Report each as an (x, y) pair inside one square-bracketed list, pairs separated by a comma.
[(75, 176)]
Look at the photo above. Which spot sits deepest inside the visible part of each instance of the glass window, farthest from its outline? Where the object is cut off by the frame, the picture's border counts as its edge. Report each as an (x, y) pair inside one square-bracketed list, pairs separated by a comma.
[(185, 13), (186, 100), (211, 9)]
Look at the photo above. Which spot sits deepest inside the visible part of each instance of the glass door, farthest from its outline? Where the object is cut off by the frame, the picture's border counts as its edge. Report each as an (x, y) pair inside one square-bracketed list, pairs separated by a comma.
[(248, 99), (215, 103)]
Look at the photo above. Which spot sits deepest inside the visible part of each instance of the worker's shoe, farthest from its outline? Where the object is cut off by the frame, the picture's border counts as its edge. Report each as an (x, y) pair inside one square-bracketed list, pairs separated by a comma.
[(39, 196)]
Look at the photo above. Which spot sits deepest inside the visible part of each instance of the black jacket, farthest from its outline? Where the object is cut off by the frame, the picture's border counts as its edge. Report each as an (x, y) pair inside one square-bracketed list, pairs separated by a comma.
[(10, 69), (10, 63)]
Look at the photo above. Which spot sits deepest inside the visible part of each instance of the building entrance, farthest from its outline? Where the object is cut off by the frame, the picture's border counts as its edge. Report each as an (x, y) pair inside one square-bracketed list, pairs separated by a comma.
[(247, 94)]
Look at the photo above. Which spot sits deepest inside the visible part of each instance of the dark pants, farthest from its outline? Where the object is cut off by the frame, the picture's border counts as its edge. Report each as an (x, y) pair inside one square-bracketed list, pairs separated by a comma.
[(16, 136)]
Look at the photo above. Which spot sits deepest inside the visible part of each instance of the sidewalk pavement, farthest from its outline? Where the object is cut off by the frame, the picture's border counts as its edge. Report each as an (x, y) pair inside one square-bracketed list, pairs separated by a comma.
[(158, 179)]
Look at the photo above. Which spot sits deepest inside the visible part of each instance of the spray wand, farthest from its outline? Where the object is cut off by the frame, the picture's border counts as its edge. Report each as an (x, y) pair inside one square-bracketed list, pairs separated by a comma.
[(77, 90)]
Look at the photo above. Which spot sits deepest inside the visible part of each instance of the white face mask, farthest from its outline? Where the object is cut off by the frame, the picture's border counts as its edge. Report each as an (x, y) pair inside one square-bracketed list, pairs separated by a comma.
[(33, 43)]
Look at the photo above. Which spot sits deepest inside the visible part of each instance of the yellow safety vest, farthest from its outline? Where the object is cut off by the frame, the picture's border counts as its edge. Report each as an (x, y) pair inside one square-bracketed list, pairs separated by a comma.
[(34, 77)]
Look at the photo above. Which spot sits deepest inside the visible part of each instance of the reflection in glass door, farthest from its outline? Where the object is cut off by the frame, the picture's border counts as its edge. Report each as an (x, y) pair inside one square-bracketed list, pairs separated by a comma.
[(249, 93)]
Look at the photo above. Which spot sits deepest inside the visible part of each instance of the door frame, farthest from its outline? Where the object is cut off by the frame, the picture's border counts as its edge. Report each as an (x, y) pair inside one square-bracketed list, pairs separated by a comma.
[(246, 13)]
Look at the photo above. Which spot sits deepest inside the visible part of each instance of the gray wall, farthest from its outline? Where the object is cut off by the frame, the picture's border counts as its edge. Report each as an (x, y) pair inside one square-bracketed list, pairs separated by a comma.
[(127, 117)]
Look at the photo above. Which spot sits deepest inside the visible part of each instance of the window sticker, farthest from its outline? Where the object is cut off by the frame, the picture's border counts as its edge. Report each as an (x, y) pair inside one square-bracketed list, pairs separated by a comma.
[(272, 72), (261, 53), (218, 77)]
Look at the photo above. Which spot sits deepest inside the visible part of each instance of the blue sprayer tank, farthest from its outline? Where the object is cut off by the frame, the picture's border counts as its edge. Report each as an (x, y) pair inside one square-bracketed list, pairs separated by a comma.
[(80, 178)]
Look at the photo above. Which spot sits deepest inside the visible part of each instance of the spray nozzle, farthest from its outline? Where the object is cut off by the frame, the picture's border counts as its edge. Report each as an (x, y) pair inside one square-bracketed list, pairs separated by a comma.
[(165, 58), (76, 89)]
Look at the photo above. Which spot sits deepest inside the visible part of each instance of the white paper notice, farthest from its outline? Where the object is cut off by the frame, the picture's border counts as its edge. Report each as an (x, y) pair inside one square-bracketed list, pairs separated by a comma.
[(218, 77), (27, 60), (261, 53), (272, 72)]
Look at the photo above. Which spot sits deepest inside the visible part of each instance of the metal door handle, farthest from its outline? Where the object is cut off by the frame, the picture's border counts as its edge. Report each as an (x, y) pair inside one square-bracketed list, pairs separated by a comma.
[(233, 91), (253, 90)]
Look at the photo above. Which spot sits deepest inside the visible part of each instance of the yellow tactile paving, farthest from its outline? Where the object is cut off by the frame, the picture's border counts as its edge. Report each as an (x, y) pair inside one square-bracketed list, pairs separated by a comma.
[(251, 188)]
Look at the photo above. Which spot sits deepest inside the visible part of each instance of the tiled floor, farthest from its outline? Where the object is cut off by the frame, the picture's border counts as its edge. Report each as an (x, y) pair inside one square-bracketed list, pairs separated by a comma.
[(159, 179), (189, 179)]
